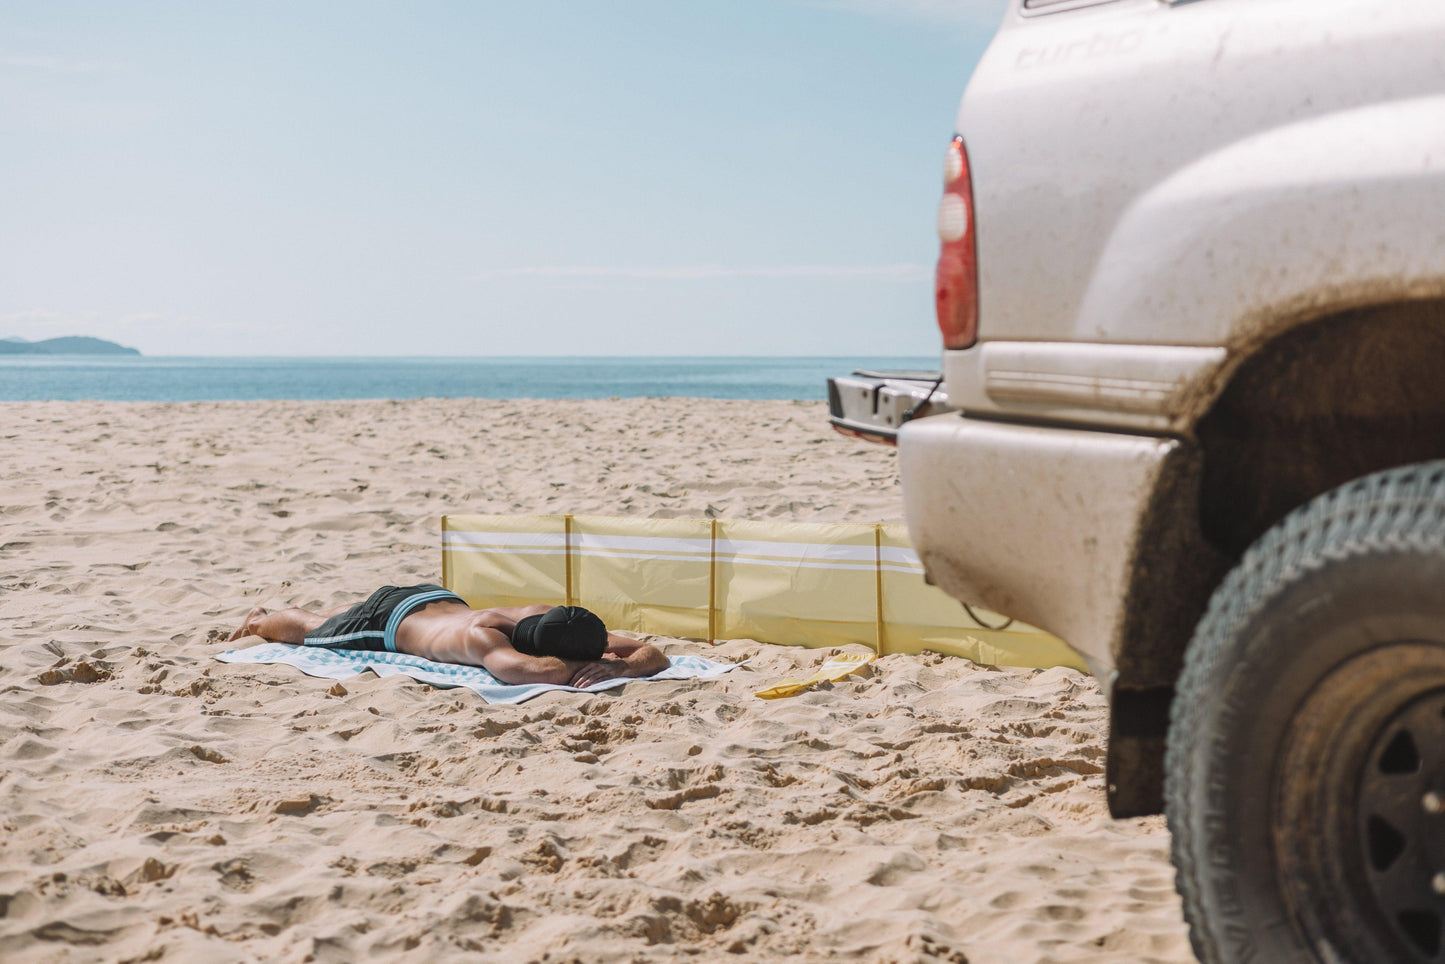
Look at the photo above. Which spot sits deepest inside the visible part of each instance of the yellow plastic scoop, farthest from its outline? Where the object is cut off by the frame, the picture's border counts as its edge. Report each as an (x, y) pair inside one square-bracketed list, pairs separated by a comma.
[(833, 669)]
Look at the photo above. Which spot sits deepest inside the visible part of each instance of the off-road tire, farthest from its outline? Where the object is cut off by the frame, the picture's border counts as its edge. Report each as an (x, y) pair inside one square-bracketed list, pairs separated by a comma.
[(1308, 734)]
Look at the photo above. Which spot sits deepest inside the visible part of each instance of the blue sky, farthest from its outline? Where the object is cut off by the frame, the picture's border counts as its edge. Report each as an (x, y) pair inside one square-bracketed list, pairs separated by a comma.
[(483, 178)]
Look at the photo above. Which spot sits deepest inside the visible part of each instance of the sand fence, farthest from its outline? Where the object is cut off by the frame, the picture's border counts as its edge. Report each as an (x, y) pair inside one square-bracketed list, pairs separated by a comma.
[(805, 584)]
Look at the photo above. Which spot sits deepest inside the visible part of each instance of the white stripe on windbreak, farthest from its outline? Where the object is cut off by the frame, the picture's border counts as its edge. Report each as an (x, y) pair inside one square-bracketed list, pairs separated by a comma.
[(806, 555), (703, 554), (506, 550), (796, 563), (913, 570), (730, 560), (899, 554), (632, 554), (462, 538), (795, 550), (744, 547), (588, 540)]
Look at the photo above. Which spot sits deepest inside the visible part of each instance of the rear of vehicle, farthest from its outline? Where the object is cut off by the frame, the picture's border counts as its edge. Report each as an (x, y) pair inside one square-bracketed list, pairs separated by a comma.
[(1191, 292)]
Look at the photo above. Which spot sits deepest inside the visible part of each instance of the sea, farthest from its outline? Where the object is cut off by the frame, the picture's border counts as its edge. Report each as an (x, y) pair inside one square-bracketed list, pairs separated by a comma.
[(128, 378)]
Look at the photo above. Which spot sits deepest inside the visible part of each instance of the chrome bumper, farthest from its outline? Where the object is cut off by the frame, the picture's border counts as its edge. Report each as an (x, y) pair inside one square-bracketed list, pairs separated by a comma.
[(1036, 523), (874, 405)]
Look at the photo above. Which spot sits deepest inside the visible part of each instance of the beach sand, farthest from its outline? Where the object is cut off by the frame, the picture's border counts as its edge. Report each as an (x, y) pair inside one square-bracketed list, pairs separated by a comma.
[(158, 805)]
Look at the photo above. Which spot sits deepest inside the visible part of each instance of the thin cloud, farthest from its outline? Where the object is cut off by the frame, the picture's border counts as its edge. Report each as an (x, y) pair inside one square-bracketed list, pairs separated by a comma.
[(55, 65), (38, 324), (704, 272)]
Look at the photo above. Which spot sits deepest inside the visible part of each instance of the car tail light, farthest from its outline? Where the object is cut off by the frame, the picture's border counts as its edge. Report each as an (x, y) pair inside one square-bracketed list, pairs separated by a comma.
[(955, 284)]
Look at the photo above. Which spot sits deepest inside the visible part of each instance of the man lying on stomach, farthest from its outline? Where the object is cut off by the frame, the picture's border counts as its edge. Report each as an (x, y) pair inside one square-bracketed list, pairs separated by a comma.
[(521, 644)]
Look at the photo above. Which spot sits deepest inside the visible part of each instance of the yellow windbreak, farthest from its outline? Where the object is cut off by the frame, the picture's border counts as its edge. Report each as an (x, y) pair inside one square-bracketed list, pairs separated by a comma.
[(506, 560), (645, 575), (800, 584), (917, 616)]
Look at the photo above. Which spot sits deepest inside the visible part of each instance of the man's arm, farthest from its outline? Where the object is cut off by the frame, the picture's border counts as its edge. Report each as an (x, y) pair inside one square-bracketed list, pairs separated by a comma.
[(628, 657), (489, 648), (510, 666), (624, 646)]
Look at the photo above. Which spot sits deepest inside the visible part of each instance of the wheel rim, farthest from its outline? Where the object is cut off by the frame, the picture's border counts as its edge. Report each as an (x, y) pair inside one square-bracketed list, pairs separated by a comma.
[(1400, 826), (1356, 849)]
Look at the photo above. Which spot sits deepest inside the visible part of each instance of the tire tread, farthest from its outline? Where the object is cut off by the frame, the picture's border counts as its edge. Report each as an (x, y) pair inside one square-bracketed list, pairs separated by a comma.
[(1398, 510)]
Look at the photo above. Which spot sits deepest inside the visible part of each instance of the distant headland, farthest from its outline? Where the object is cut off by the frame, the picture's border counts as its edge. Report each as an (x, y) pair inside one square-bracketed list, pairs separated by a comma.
[(69, 345)]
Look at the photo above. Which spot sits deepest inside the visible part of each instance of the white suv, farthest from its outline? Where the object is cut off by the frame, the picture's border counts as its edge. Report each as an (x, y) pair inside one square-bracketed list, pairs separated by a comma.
[(1192, 297)]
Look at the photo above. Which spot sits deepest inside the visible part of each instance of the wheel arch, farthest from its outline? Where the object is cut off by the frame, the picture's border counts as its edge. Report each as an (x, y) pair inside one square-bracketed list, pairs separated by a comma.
[(1322, 401)]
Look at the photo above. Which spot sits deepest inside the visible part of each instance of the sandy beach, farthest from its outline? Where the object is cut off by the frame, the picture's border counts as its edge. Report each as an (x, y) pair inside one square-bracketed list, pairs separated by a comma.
[(156, 804)]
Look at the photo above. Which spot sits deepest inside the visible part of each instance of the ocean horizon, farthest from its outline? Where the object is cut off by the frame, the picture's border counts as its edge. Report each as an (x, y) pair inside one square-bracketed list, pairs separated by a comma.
[(160, 378)]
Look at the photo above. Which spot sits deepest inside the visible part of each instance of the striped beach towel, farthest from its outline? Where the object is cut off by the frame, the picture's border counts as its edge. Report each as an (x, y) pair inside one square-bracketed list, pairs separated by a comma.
[(346, 663)]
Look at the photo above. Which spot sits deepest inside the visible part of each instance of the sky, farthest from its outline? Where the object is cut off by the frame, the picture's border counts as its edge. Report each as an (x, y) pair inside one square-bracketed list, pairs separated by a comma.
[(528, 177)]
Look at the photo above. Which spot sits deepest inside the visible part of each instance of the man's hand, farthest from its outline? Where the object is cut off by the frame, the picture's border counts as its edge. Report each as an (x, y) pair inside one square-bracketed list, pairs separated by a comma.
[(595, 671), (641, 659)]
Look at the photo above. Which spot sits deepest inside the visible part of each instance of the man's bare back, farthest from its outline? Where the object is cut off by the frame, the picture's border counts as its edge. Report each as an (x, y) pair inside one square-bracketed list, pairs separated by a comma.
[(447, 630)]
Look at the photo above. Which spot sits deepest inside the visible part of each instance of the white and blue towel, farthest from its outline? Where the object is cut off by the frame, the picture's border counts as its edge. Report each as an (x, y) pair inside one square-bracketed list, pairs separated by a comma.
[(346, 663)]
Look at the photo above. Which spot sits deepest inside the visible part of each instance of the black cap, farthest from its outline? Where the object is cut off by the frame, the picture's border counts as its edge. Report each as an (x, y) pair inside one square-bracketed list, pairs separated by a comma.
[(567, 632)]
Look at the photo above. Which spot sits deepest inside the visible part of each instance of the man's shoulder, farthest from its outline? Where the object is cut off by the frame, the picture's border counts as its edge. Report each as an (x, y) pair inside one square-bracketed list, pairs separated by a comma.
[(490, 619), (484, 633)]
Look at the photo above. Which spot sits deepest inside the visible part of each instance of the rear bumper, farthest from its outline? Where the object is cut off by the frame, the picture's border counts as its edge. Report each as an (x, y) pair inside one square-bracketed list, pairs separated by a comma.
[(874, 405), (1038, 523)]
